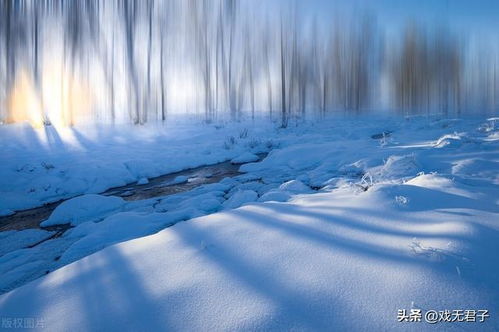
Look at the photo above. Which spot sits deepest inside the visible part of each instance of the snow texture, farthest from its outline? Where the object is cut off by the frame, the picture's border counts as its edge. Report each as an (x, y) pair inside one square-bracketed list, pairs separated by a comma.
[(297, 242), (84, 208)]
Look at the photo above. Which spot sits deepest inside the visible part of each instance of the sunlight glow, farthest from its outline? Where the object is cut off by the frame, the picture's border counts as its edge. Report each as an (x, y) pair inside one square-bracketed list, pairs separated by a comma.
[(182, 92), (66, 100), (62, 101), (24, 103)]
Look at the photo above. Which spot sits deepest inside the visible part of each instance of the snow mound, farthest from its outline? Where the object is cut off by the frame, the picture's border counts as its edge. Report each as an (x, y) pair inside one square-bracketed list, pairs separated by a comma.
[(396, 167), (449, 141), (295, 187), (297, 157), (208, 202), (84, 208), (13, 240), (432, 181), (143, 181), (250, 185), (477, 168), (246, 157), (116, 228), (304, 265), (275, 196), (239, 198)]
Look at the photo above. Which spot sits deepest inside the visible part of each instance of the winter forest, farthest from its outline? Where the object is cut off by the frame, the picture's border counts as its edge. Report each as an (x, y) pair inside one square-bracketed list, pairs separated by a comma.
[(139, 61), (249, 165)]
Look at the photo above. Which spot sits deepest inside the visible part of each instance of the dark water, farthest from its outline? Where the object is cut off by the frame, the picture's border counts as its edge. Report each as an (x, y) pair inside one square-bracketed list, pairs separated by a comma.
[(162, 185), (159, 186)]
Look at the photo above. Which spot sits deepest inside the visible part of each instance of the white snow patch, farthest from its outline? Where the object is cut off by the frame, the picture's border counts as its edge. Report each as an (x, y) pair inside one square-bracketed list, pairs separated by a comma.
[(239, 198), (84, 208), (275, 195), (13, 240), (295, 187), (246, 157)]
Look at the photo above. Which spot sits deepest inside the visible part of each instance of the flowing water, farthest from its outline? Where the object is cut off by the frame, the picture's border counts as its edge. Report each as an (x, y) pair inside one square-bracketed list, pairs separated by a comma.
[(160, 186)]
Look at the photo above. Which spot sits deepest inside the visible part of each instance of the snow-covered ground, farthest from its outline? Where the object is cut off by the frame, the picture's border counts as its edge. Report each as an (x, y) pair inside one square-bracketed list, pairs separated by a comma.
[(333, 230)]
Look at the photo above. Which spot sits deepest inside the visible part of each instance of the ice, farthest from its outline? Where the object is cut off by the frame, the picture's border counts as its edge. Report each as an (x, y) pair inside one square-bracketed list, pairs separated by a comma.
[(180, 179)]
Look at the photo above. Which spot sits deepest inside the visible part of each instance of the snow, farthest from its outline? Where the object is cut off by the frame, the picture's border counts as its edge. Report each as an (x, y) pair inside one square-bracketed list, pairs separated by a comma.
[(299, 241), (13, 240), (180, 179), (239, 198), (44, 165), (259, 266), (275, 195), (143, 181), (84, 208), (246, 157), (295, 187)]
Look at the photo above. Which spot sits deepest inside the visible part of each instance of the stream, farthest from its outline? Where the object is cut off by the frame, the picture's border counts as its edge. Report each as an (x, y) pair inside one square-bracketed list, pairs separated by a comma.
[(159, 186)]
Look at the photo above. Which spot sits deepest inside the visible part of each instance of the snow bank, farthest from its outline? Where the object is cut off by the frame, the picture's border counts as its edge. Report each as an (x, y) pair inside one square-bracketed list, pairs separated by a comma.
[(84, 208), (13, 240), (92, 159), (239, 198), (246, 157), (295, 187), (275, 195), (309, 265), (422, 240)]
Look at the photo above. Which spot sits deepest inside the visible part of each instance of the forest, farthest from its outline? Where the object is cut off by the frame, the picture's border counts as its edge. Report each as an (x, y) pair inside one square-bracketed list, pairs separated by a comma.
[(139, 61)]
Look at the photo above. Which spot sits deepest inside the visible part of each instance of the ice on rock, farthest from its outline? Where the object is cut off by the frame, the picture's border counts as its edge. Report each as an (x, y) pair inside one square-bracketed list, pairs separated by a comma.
[(246, 157), (180, 179), (84, 208), (143, 181)]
